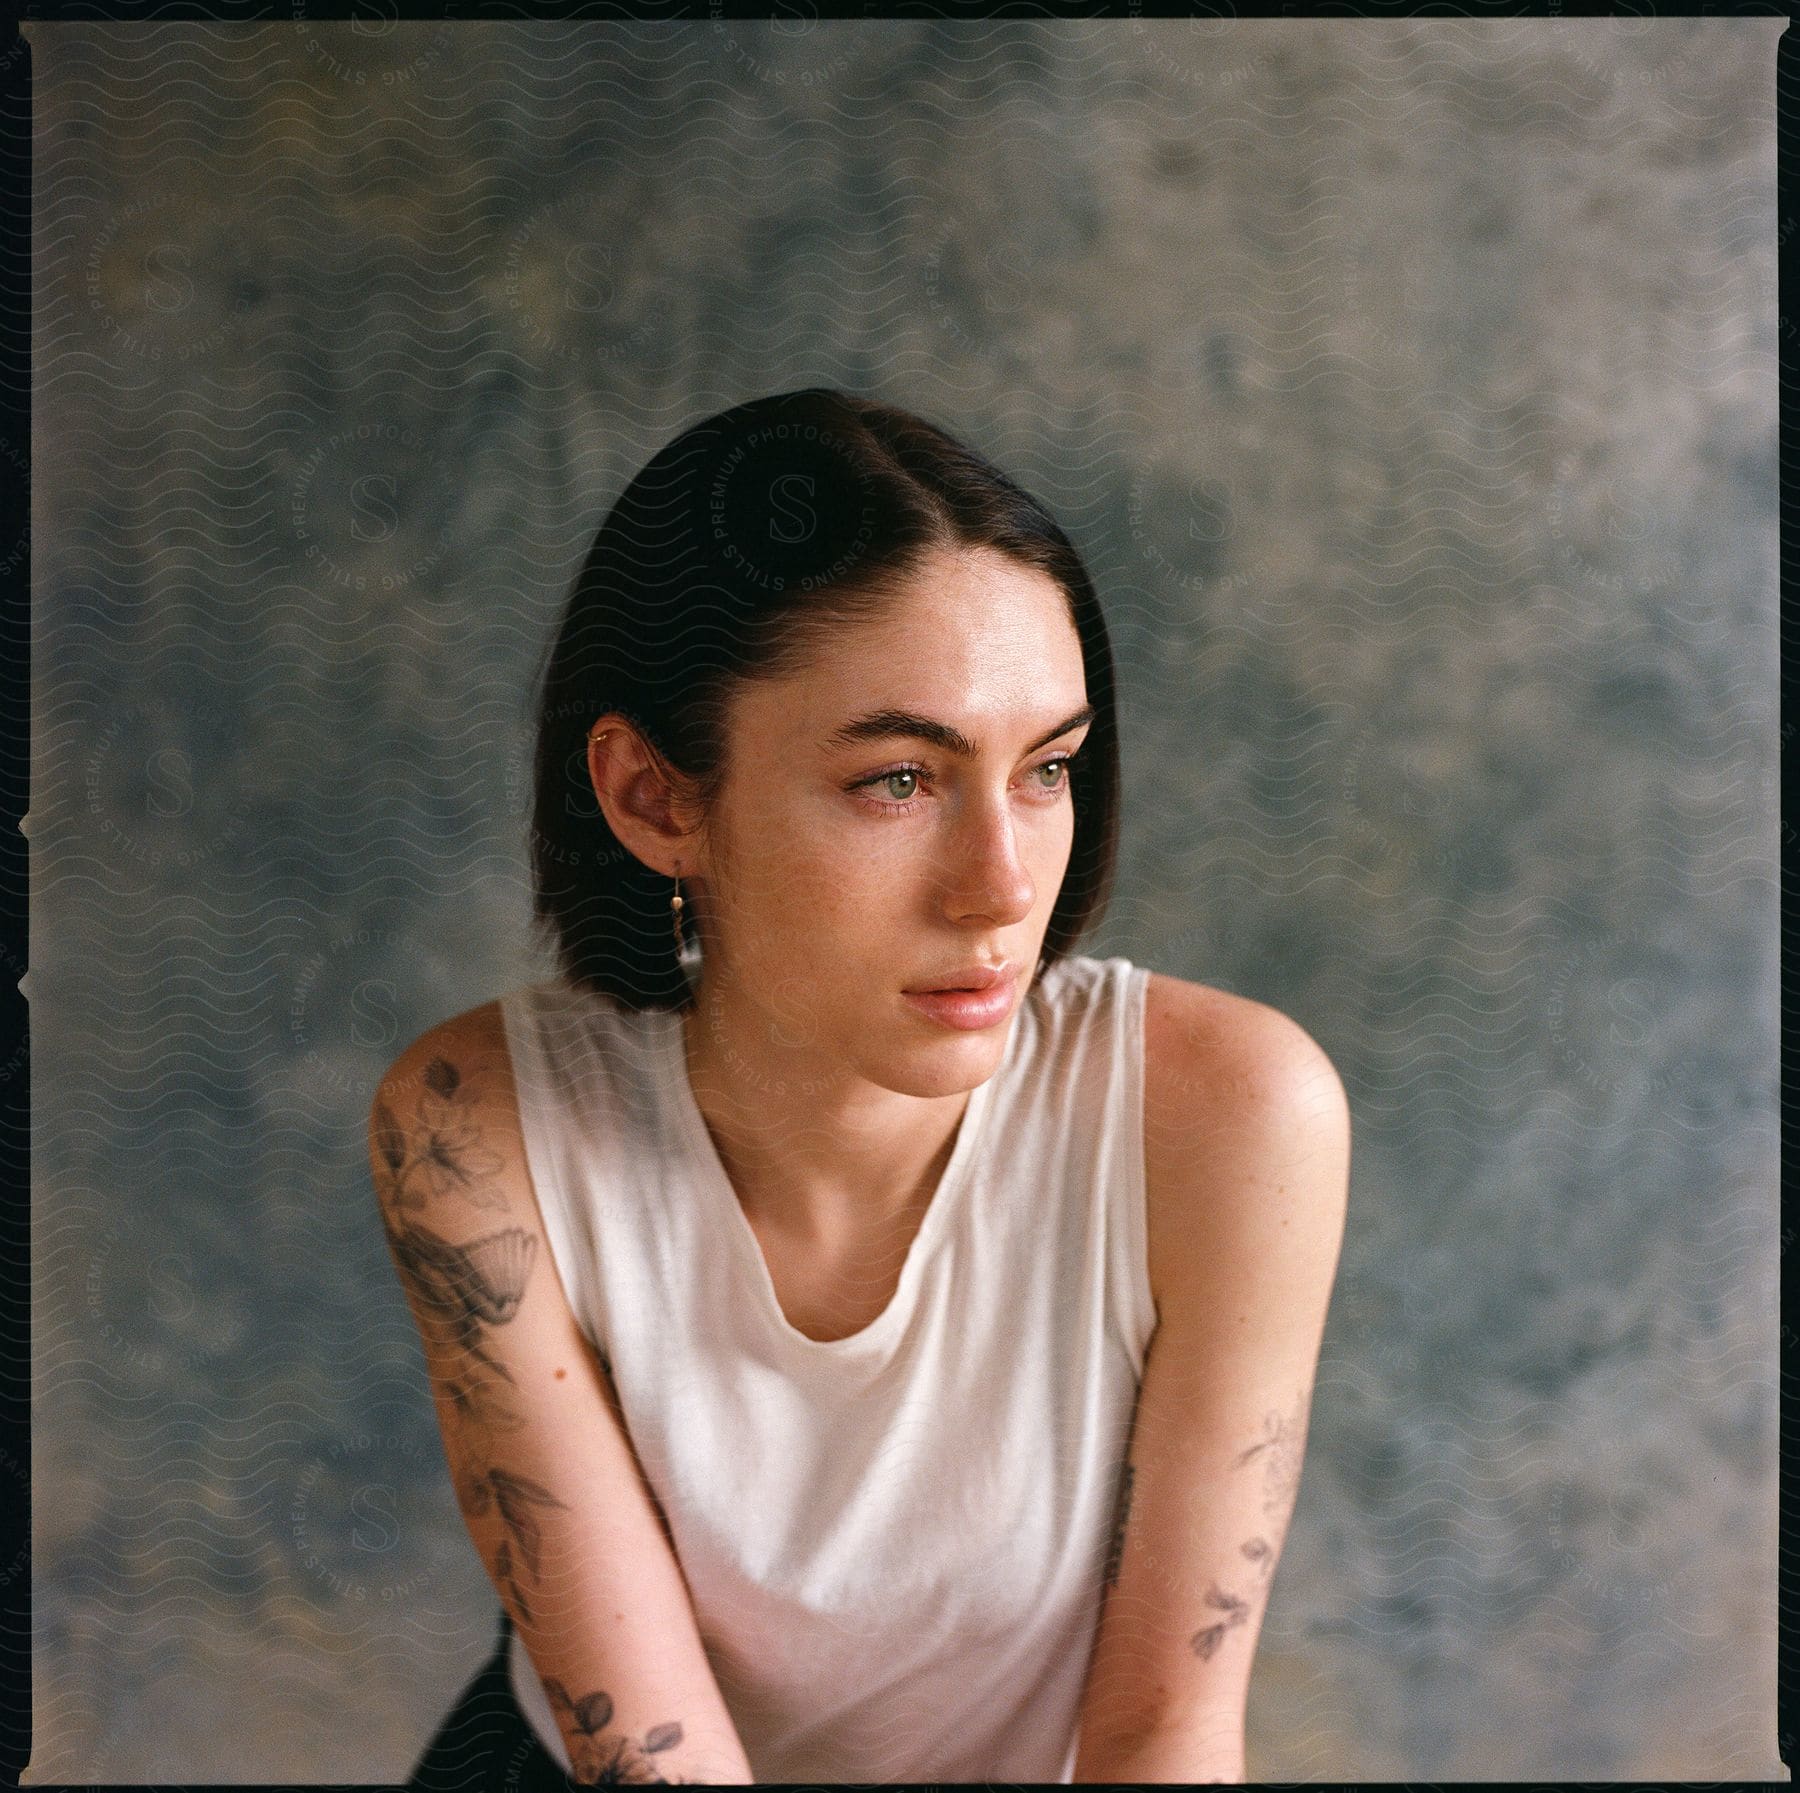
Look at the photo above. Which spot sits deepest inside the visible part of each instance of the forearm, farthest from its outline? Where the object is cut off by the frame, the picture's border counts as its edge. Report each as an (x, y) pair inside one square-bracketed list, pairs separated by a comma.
[(1199, 1753)]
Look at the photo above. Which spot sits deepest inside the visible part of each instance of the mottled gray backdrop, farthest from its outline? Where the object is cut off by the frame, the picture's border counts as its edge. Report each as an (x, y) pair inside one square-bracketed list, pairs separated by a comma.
[(1411, 386)]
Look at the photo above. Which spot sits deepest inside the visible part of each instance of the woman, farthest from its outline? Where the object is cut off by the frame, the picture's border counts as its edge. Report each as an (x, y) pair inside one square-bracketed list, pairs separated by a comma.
[(872, 1341)]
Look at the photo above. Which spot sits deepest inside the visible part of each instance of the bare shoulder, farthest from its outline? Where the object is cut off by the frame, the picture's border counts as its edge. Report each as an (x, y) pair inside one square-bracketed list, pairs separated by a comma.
[(472, 1043), (1212, 1048), (1240, 1104), (444, 1125)]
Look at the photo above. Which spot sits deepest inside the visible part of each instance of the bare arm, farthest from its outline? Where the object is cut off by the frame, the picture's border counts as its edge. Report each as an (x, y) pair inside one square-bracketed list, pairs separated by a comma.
[(544, 1472), (1251, 1131)]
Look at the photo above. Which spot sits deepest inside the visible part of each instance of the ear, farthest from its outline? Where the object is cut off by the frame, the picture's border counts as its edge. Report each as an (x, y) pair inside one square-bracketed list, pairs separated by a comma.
[(643, 799)]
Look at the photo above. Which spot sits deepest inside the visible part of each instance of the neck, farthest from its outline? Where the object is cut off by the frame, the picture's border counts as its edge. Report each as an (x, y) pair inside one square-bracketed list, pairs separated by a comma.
[(809, 1146)]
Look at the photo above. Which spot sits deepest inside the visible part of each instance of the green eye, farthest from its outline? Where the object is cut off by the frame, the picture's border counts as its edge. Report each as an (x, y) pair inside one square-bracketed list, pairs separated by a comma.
[(897, 804)]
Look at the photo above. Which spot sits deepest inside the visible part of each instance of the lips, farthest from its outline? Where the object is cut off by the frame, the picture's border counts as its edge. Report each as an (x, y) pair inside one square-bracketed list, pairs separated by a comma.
[(970, 977)]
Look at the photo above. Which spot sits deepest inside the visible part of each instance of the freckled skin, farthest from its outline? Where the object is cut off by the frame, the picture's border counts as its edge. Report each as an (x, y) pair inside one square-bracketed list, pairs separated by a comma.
[(825, 882)]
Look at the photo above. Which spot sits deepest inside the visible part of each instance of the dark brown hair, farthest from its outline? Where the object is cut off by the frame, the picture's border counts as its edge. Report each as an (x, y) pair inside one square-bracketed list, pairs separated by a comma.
[(737, 550)]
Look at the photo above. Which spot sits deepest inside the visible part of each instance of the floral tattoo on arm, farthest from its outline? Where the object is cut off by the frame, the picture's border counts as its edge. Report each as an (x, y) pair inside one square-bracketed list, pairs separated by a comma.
[(1280, 1451), (461, 1293)]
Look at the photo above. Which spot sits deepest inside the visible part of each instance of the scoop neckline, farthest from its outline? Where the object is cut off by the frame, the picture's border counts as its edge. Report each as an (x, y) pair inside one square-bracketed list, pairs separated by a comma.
[(946, 1197)]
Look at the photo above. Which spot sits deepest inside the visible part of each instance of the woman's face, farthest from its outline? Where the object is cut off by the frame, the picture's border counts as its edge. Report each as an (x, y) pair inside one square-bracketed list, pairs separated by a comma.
[(844, 866)]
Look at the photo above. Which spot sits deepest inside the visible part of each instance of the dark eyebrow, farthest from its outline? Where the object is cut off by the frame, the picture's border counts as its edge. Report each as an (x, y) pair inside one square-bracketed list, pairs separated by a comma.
[(878, 725)]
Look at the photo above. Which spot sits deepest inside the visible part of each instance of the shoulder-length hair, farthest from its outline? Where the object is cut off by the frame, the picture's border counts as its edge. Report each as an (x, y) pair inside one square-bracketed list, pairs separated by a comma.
[(736, 551)]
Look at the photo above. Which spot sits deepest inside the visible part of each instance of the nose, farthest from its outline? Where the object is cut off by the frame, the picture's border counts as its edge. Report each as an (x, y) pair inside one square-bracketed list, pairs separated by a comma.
[(988, 879)]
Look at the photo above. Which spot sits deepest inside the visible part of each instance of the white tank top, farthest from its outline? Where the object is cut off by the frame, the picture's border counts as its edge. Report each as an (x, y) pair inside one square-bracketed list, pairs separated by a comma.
[(895, 1542)]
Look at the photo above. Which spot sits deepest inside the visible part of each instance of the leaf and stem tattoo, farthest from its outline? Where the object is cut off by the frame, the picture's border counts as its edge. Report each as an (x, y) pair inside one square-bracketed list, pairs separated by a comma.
[(461, 1293), (1279, 1452), (1281, 1447), (625, 1765)]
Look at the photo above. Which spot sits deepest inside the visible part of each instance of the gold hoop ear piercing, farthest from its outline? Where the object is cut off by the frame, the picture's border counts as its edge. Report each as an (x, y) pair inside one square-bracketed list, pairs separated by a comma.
[(600, 734)]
